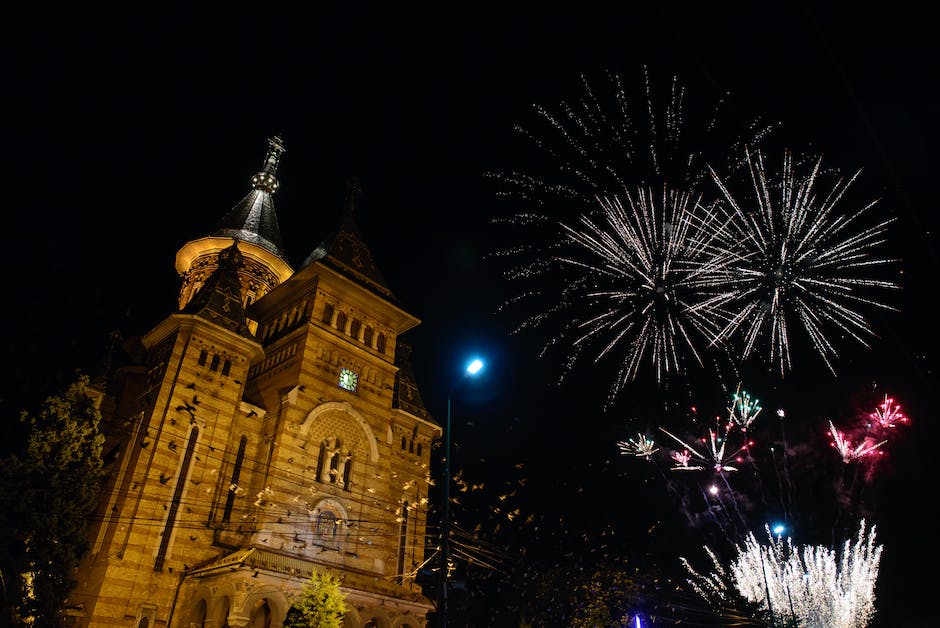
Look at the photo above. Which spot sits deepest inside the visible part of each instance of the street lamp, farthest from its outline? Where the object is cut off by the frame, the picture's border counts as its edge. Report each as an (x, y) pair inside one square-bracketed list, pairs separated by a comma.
[(473, 369)]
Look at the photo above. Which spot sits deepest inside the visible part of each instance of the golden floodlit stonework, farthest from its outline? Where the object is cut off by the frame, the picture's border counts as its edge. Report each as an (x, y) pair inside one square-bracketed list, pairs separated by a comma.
[(268, 429)]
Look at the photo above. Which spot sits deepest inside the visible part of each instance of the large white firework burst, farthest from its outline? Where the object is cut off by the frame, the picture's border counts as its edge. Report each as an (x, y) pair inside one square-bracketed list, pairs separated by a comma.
[(637, 282), (812, 585), (800, 260), (609, 257)]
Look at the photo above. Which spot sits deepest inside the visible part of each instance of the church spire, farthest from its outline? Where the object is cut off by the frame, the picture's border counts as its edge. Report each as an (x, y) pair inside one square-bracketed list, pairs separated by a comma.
[(253, 219), (346, 252), (253, 224), (266, 180)]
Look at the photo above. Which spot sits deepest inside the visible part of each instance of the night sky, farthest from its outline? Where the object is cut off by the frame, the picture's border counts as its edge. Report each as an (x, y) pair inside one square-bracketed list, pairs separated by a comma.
[(128, 135)]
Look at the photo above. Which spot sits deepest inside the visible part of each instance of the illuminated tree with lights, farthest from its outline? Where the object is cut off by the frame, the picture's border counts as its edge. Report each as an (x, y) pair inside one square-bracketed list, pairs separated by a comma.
[(321, 604)]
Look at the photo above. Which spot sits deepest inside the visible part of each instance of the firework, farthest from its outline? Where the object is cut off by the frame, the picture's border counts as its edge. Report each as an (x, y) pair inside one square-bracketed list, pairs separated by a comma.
[(638, 284), (718, 457), (849, 453), (616, 258), (888, 414), (743, 410), (800, 261), (812, 585), (641, 447)]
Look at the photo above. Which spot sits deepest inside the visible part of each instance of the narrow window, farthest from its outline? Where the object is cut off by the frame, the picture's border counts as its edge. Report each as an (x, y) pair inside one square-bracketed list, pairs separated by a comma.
[(341, 322), (203, 355), (320, 461), (175, 503), (419, 450), (367, 335), (404, 443), (347, 470), (354, 328), (328, 313), (334, 464), (380, 343), (226, 367), (236, 473), (402, 537), (214, 365)]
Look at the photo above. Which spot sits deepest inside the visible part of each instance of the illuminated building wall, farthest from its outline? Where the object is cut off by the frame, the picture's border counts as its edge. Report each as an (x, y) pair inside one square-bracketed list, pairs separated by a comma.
[(269, 428)]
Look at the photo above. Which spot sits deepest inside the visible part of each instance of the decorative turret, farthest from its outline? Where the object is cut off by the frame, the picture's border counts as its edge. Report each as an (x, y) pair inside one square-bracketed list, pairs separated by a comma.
[(345, 251), (219, 299), (253, 224), (253, 219)]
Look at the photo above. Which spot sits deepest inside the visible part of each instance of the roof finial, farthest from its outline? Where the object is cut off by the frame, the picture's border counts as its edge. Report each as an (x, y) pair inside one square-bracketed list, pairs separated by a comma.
[(266, 179), (353, 194)]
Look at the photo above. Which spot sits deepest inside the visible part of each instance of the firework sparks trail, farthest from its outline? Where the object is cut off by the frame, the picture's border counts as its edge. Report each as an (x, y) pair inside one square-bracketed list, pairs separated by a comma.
[(849, 453), (641, 447), (812, 585), (800, 261), (743, 410), (888, 414), (718, 457)]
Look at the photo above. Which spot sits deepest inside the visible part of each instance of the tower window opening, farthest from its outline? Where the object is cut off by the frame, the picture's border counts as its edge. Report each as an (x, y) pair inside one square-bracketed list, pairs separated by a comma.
[(214, 365), (203, 356)]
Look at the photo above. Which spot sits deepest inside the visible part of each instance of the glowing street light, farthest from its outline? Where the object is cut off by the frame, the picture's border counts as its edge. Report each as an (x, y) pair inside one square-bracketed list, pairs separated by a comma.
[(472, 370)]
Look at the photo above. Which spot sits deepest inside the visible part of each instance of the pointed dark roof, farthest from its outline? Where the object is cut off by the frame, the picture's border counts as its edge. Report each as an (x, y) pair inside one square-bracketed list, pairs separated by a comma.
[(345, 251), (219, 300), (406, 395), (253, 219)]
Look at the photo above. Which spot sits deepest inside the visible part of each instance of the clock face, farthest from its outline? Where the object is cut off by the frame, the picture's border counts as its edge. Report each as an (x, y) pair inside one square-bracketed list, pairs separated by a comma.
[(348, 379)]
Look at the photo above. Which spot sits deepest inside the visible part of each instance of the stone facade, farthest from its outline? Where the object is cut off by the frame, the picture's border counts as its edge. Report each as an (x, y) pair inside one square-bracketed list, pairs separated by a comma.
[(250, 447)]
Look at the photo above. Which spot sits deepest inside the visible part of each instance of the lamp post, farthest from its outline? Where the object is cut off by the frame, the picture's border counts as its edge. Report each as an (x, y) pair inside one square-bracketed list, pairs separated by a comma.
[(473, 368)]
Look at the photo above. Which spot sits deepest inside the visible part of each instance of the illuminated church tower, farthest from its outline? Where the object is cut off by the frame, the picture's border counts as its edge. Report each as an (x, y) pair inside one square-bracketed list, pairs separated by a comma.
[(268, 429)]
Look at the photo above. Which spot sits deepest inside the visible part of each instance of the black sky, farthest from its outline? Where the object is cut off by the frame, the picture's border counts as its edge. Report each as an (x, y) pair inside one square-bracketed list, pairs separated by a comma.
[(129, 134)]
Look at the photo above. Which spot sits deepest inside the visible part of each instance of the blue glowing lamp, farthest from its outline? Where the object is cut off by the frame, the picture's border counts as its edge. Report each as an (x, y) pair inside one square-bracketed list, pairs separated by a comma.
[(779, 529), (475, 366)]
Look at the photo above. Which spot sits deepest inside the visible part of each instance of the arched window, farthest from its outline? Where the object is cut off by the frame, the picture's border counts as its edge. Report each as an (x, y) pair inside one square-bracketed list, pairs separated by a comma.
[(354, 328), (328, 313), (261, 616), (214, 365), (226, 367), (367, 335), (380, 343), (203, 356), (199, 615), (341, 322)]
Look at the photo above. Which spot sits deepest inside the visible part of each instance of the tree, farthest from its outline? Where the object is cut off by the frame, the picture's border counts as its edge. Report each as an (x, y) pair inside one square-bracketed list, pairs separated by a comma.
[(47, 493), (321, 604)]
